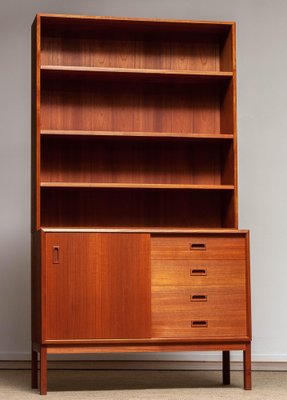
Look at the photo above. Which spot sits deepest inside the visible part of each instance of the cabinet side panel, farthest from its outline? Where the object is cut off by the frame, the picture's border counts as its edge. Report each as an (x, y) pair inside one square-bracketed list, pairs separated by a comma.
[(235, 126), (248, 289), (35, 123), (36, 287), (228, 122), (226, 56)]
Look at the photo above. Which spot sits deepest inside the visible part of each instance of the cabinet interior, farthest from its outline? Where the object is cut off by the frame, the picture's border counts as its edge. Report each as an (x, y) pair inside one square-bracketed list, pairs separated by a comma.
[(136, 124), (97, 43), (136, 208), (134, 160), (108, 104)]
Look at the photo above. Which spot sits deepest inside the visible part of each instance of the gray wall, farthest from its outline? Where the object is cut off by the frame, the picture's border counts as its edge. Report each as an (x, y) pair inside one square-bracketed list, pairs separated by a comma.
[(262, 126)]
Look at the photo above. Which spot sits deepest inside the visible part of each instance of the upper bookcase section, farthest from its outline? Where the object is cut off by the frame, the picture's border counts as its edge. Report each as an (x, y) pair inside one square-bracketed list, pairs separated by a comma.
[(104, 42)]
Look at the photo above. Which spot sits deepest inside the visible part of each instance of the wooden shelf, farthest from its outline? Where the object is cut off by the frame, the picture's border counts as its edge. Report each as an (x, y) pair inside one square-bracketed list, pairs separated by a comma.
[(133, 186), (145, 74), (146, 135), (154, 230)]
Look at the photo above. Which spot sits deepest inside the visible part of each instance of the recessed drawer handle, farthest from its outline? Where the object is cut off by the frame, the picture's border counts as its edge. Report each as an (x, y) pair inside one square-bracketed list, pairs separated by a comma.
[(56, 254), (199, 324), (198, 297), (198, 272), (198, 246)]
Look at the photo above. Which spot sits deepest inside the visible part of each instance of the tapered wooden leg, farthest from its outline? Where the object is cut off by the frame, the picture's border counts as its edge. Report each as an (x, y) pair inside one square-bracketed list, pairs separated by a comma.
[(43, 370), (247, 367), (226, 367), (34, 371)]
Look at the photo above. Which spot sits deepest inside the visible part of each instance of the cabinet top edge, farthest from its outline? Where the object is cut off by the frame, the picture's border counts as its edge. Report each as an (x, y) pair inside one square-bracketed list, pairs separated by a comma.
[(134, 19), (144, 230)]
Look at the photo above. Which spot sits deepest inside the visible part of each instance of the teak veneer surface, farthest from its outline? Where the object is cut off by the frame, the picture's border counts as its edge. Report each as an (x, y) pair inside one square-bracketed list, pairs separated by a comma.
[(68, 103), (134, 196), (100, 286), (97, 160), (198, 272), (198, 247), (146, 135), (91, 207), (223, 314), (126, 43)]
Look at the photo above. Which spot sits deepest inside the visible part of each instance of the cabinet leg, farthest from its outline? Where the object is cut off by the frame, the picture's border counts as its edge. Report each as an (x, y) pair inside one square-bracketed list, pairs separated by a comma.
[(226, 367), (247, 367), (34, 370), (43, 370)]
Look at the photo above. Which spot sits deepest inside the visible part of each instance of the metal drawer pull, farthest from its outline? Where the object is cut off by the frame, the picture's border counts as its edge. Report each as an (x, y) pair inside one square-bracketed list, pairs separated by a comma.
[(198, 272), (199, 324), (198, 297), (197, 246), (56, 254)]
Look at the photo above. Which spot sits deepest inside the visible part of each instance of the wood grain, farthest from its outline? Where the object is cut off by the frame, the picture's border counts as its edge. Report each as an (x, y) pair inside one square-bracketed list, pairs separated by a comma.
[(151, 341), (153, 44), (133, 208), (81, 104), (201, 272), (35, 122), (37, 239), (214, 247), (248, 285), (234, 101), (226, 50), (134, 186), (173, 312), (146, 347), (146, 74), (87, 21), (152, 231), (135, 162), (100, 288), (146, 135)]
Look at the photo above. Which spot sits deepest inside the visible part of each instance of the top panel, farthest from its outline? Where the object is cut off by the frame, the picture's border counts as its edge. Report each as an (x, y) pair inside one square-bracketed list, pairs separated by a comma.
[(136, 43)]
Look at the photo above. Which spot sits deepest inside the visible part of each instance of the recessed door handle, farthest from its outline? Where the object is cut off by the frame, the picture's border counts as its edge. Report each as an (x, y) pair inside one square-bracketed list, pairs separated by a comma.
[(56, 254)]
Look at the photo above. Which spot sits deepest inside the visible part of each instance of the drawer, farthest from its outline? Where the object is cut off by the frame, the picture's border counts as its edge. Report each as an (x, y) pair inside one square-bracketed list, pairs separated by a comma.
[(199, 272), (198, 247), (198, 312)]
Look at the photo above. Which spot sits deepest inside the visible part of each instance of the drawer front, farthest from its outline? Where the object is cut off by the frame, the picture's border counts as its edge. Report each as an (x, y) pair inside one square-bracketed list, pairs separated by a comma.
[(224, 273), (198, 247), (180, 311)]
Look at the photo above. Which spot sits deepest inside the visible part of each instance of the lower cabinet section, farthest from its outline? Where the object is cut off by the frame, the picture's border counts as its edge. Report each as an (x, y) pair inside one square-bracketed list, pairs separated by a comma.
[(109, 292)]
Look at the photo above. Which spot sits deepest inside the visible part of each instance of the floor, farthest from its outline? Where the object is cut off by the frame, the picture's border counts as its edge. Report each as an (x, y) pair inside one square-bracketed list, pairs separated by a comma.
[(150, 385)]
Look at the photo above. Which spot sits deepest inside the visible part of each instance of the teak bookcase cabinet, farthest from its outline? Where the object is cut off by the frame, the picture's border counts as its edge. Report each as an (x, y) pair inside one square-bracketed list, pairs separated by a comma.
[(135, 239)]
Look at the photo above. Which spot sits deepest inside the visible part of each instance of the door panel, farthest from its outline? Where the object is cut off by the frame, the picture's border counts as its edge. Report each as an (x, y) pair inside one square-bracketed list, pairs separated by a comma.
[(97, 286)]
